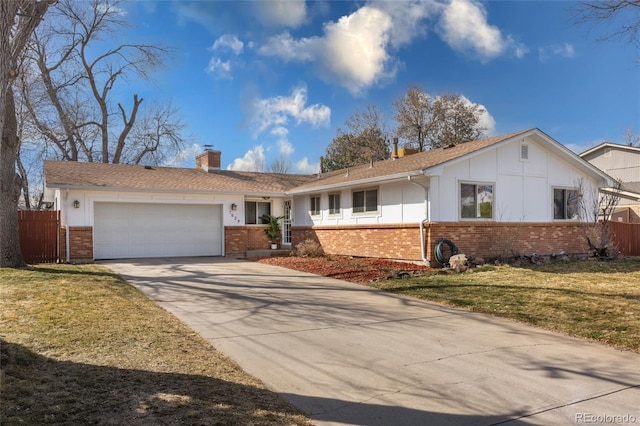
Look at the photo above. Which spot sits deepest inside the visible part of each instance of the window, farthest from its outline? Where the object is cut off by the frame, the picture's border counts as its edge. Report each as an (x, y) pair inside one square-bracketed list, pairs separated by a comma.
[(334, 203), (253, 211), (314, 205), (565, 204), (365, 201), (476, 201)]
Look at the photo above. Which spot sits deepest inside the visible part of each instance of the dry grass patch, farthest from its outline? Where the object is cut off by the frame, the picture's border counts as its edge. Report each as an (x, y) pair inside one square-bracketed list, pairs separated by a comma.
[(595, 300), (81, 346)]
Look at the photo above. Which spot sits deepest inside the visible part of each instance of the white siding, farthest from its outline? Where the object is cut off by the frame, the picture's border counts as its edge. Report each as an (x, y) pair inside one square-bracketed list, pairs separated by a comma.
[(523, 188), (398, 202)]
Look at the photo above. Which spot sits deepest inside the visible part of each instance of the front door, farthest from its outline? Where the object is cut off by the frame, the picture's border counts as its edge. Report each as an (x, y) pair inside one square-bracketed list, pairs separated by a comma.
[(286, 222)]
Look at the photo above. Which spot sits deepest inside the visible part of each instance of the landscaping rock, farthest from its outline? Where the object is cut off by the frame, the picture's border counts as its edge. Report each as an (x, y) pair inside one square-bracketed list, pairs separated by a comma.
[(458, 262)]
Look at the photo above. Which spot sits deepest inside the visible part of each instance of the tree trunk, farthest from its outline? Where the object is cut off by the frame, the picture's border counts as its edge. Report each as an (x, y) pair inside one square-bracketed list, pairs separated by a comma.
[(10, 253)]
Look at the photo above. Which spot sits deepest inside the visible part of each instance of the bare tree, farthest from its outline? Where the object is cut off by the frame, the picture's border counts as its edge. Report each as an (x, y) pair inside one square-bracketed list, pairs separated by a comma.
[(623, 17), (366, 139), (594, 210), (281, 164), (427, 122), (416, 117), (458, 121), (18, 20), (72, 102), (631, 138)]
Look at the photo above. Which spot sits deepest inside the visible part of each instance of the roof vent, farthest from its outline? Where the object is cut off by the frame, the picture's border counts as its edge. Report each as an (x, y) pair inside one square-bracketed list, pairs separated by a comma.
[(524, 151)]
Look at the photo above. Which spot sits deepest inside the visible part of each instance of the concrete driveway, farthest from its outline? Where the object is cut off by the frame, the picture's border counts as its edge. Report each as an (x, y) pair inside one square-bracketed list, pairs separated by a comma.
[(347, 354)]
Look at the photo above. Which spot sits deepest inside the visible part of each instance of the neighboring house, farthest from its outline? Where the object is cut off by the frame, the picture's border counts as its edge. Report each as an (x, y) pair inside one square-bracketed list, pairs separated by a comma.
[(621, 162), (512, 193)]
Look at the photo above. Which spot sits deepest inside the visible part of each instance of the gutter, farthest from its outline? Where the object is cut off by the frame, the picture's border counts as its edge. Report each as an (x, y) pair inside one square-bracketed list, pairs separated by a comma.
[(423, 248), (253, 193), (384, 178)]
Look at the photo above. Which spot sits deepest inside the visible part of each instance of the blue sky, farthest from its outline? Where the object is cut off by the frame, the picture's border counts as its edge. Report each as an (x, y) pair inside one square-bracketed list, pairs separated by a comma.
[(262, 79)]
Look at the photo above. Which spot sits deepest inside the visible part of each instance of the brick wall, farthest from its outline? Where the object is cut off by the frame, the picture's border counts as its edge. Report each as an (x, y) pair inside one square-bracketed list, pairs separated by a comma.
[(235, 240), (486, 239), (239, 239), (80, 244), (395, 241)]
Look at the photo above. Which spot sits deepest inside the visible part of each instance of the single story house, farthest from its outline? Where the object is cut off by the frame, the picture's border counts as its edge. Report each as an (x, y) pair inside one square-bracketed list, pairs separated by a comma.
[(621, 162), (517, 192)]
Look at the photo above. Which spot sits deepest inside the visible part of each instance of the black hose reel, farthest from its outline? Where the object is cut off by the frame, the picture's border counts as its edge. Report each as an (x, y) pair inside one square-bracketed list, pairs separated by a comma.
[(444, 250)]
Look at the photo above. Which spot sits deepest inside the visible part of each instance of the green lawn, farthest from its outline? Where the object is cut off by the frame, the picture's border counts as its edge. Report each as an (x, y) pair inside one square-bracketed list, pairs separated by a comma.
[(597, 300), (80, 346)]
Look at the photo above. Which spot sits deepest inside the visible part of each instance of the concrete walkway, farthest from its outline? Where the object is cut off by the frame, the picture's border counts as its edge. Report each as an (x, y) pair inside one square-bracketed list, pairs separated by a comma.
[(347, 354)]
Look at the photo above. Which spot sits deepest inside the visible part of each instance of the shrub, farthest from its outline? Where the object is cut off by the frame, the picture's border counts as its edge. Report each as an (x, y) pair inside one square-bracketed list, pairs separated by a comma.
[(309, 248)]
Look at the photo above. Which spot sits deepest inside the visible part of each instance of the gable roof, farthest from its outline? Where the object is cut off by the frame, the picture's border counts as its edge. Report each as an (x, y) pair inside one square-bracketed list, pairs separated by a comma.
[(411, 165), (98, 176), (604, 145), (73, 174)]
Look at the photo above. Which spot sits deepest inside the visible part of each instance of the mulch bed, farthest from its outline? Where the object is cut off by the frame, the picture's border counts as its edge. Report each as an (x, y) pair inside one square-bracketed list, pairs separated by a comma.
[(354, 269)]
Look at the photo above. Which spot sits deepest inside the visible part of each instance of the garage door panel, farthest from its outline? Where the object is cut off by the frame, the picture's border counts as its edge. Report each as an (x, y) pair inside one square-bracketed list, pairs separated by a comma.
[(133, 230)]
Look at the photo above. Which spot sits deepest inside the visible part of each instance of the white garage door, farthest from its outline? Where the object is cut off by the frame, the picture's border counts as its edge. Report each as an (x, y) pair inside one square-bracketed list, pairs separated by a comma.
[(128, 230)]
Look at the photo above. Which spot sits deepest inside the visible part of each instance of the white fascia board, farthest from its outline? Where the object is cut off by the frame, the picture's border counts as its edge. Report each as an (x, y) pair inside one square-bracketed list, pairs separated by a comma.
[(164, 191), (610, 145), (627, 195), (353, 183)]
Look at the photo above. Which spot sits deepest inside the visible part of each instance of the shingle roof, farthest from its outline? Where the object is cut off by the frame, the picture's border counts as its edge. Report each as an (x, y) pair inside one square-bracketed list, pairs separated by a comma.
[(121, 176), (412, 163)]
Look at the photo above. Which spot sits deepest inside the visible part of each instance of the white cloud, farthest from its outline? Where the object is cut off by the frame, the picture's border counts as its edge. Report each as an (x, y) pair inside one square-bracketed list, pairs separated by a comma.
[(274, 113), (407, 18), (303, 166), (219, 68), (352, 52), (228, 42), (287, 48), (289, 13), (285, 147), (564, 50), (464, 26), (486, 121), (252, 161)]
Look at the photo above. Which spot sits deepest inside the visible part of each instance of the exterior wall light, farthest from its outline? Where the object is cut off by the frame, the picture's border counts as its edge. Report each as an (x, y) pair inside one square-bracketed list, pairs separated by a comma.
[(234, 207), (76, 204)]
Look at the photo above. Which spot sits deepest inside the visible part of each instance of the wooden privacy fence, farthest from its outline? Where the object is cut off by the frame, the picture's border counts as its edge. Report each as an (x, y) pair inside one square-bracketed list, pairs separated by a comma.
[(627, 237), (39, 235)]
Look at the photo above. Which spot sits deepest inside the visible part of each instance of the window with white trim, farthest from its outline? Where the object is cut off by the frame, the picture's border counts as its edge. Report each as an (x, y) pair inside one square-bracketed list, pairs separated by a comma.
[(254, 210), (334, 203), (565, 203), (476, 200), (314, 205), (365, 201)]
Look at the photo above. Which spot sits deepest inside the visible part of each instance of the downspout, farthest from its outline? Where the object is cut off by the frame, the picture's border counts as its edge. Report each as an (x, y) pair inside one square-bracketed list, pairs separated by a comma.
[(423, 248), (66, 227), (66, 224)]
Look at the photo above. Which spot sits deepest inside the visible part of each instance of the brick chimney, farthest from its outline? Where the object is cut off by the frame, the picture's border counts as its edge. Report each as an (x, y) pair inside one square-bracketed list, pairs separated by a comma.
[(208, 160)]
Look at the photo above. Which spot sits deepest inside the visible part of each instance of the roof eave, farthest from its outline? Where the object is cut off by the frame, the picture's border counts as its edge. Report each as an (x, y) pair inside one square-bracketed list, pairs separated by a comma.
[(165, 190), (359, 182)]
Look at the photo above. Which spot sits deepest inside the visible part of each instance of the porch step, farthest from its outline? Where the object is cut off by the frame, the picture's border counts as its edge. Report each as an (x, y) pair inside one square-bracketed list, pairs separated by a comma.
[(268, 252)]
